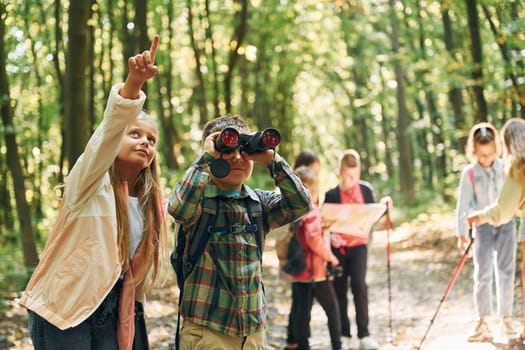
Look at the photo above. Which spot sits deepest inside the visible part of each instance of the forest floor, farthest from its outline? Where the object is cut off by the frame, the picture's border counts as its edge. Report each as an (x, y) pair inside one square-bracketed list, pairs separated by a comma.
[(421, 265)]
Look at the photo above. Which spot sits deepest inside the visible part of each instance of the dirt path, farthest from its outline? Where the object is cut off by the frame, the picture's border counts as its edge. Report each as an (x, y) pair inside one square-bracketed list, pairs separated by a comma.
[(422, 262), (420, 270)]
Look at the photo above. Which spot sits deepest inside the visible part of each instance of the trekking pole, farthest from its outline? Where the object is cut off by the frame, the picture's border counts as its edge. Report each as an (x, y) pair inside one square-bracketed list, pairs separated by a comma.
[(388, 229), (450, 284)]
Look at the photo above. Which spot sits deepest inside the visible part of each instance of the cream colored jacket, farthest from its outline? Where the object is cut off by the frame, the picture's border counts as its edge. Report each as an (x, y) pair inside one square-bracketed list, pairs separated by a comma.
[(79, 264), (510, 203)]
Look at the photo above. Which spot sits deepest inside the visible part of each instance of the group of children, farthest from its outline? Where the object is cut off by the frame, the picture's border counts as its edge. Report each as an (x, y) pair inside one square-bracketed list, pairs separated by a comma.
[(104, 251), (109, 240), (324, 250), (491, 194)]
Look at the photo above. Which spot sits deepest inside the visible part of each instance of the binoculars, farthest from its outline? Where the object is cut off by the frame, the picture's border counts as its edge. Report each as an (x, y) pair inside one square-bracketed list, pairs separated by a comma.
[(230, 139)]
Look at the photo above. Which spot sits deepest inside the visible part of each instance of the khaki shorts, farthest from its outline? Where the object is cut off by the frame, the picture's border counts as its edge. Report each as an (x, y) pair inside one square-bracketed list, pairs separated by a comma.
[(194, 336)]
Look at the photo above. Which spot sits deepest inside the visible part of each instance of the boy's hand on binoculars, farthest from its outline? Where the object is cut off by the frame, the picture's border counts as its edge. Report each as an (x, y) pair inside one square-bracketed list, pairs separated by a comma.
[(209, 144), (266, 157)]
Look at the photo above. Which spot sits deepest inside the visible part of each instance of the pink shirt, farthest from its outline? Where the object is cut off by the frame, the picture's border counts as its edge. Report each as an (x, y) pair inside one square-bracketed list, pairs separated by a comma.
[(352, 195), (316, 248)]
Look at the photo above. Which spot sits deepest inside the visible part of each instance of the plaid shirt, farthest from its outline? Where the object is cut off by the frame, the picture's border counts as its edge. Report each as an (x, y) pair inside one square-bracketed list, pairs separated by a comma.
[(225, 290)]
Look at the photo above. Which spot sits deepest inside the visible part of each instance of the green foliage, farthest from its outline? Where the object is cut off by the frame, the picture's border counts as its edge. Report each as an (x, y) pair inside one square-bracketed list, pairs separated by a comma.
[(13, 275), (321, 72)]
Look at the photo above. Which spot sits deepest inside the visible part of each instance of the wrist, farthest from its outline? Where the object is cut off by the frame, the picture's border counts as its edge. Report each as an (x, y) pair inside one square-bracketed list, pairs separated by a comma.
[(275, 163), (131, 89)]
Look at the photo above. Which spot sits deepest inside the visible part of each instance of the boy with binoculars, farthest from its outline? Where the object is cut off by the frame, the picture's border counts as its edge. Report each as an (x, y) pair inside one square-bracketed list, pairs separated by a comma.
[(223, 297), (230, 139)]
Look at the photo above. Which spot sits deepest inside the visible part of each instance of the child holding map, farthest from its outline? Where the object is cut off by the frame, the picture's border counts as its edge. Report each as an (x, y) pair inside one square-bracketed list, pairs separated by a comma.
[(351, 250)]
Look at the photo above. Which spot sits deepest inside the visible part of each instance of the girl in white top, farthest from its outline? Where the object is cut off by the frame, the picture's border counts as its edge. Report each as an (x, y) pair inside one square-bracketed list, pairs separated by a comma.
[(109, 235)]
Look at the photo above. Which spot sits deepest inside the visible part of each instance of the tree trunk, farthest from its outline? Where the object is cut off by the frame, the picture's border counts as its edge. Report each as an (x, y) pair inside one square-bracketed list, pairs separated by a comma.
[(406, 176), (438, 162), (455, 95), (60, 79), (199, 90), (141, 35), (480, 104), (77, 124), (171, 145), (235, 42), (127, 37), (360, 116), (385, 126), (91, 82), (498, 36), (7, 222), (13, 160), (213, 60), (261, 76)]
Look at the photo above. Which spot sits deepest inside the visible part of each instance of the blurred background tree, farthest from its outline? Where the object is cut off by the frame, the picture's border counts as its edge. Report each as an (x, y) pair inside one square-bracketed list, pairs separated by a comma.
[(400, 81)]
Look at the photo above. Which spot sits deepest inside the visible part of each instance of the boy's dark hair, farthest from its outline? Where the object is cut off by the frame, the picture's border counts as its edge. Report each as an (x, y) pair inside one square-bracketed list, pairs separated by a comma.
[(305, 158), (220, 123)]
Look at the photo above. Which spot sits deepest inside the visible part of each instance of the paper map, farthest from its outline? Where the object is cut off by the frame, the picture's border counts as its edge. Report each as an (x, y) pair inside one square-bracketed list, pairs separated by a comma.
[(351, 219)]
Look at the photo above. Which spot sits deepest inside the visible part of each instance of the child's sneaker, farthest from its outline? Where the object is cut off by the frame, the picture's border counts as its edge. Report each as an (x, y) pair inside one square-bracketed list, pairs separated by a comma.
[(347, 342), (507, 328), (368, 343), (482, 333)]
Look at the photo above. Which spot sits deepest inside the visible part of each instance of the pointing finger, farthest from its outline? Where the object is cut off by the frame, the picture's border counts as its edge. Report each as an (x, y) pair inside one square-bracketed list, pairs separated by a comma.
[(153, 49)]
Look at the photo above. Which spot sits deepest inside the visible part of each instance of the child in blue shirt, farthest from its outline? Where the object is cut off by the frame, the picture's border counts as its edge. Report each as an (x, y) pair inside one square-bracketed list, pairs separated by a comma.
[(480, 184)]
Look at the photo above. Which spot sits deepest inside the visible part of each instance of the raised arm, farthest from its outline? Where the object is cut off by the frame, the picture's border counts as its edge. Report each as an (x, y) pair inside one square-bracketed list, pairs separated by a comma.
[(141, 68)]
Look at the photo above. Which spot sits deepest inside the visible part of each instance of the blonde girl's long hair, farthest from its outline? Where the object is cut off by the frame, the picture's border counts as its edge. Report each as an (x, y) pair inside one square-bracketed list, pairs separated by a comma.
[(481, 134), (513, 133), (154, 252)]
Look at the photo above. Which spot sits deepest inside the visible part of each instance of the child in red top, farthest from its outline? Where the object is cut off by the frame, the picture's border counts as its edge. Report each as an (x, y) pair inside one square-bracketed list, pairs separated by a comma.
[(351, 252), (314, 280)]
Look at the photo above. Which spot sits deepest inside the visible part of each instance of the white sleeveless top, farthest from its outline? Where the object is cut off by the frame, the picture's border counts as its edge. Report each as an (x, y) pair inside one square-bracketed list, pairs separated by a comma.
[(136, 225)]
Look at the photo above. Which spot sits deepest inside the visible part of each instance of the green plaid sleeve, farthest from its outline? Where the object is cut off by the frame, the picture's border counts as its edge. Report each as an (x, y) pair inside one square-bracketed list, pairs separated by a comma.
[(291, 202), (186, 198)]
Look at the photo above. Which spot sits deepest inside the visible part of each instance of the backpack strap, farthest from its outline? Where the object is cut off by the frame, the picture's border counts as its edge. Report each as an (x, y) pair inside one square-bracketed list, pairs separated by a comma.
[(298, 229), (201, 234), (194, 248), (470, 173), (256, 213), (206, 226), (257, 225)]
